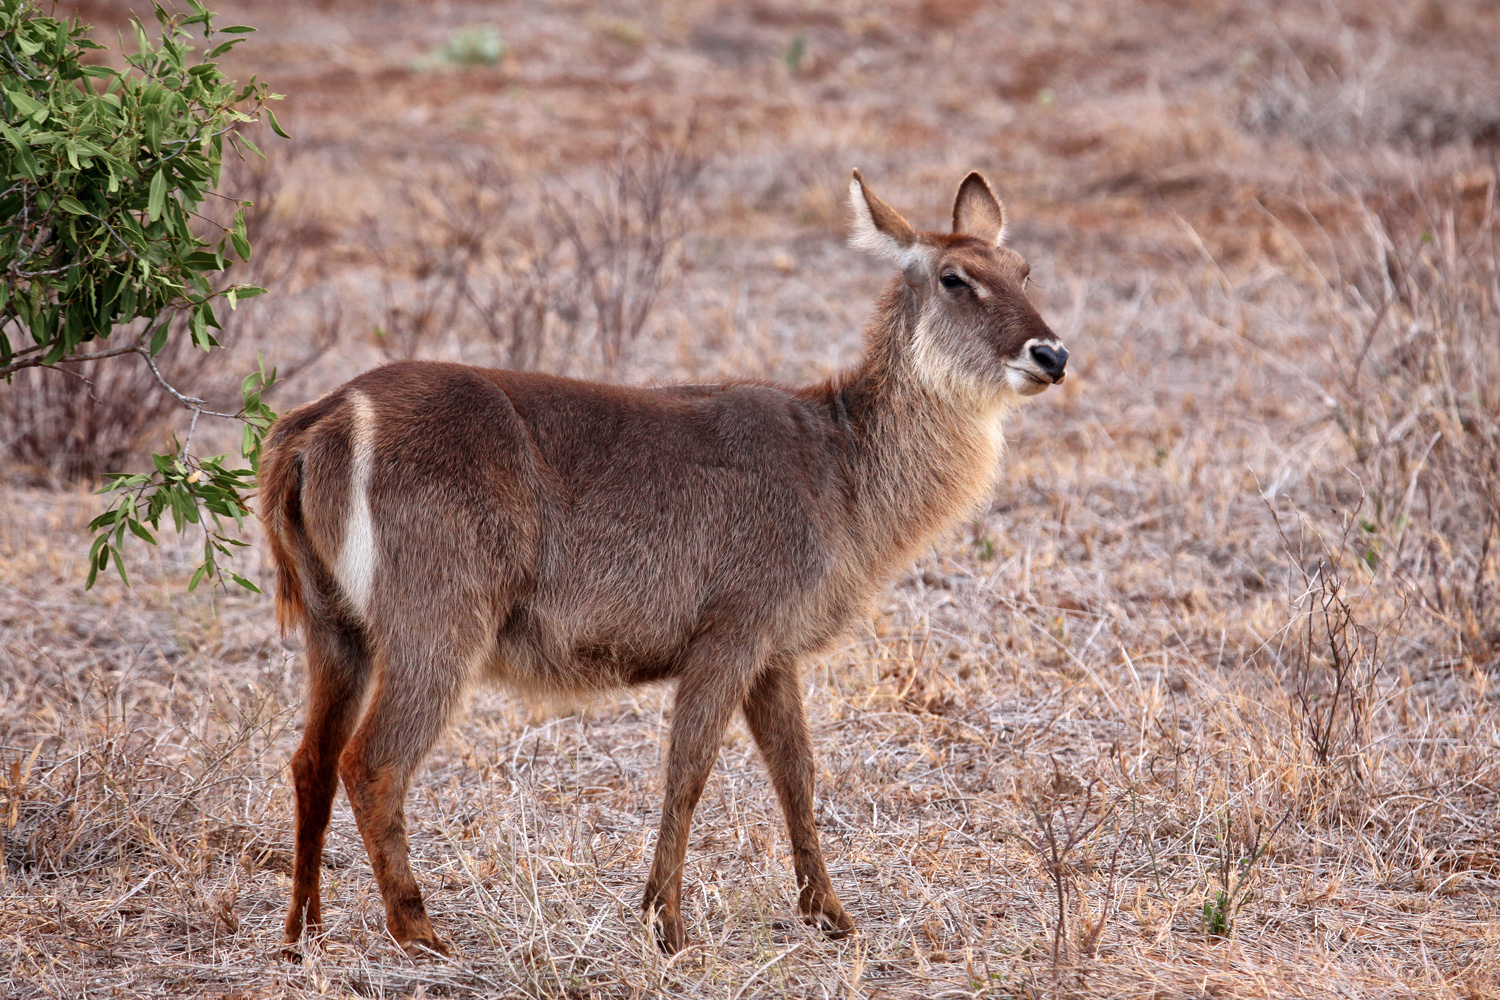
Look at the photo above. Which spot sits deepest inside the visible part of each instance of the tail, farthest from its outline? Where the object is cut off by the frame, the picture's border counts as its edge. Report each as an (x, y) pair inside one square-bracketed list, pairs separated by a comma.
[(280, 503)]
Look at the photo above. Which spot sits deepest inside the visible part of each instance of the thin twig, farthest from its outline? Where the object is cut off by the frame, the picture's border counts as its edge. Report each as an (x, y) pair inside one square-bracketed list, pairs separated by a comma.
[(191, 402)]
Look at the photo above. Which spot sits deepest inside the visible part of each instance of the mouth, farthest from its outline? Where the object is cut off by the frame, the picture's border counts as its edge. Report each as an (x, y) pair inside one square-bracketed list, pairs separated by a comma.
[(1029, 382)]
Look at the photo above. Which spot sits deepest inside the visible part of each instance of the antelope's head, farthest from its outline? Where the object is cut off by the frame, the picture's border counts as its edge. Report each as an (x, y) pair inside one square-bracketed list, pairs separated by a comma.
[(976, 333)]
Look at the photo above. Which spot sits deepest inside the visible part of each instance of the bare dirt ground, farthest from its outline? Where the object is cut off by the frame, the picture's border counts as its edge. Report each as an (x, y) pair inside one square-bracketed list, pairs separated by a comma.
[(1203, 705)]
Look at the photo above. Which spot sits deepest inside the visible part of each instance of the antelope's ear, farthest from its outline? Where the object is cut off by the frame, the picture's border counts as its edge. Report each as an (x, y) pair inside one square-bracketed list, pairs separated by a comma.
[(879, 228), (977, 212)]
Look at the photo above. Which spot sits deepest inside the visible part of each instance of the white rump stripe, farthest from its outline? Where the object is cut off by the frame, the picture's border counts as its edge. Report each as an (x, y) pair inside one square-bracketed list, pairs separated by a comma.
[(356, 566)]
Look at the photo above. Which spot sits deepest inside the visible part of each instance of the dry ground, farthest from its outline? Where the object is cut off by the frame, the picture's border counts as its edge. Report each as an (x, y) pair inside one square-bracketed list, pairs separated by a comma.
[(1212, 680)]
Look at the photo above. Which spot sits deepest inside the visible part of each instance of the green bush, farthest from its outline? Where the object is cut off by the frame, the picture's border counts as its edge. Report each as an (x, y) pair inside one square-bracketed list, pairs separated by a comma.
[(479, 45), (101, 173)]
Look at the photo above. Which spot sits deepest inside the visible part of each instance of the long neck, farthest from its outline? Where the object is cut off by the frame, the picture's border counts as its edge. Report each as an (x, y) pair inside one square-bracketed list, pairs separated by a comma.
[(919, 458)]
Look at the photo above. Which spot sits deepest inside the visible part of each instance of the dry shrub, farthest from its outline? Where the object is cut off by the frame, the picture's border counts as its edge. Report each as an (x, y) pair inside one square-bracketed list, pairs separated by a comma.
[(542, 278), (283, 242), (621, 235), (105, 794), (421, 275), (1334, 658), (1316, 90), (1335, 88), (96, 789), (1417, 396), (79, 422), (1068, 816)]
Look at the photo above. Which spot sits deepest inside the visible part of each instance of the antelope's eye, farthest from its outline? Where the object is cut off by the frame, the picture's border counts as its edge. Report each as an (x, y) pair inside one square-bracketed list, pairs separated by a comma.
[(951, 280)]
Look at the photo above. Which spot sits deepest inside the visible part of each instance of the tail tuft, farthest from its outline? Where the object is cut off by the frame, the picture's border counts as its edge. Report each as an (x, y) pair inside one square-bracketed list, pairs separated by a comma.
[(281, 513)]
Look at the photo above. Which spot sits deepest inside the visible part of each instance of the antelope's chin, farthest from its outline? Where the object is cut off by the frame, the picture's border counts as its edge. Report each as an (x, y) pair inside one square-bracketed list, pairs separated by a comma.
[(1025, 383)]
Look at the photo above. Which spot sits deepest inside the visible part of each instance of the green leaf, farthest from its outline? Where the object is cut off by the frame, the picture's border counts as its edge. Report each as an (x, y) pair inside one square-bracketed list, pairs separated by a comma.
[(250, 145), (70, 204), (29, 166), (120, 566), (159, 339), (240, 235), (275, 125), (25, 104), (158, 195), (152, 124)]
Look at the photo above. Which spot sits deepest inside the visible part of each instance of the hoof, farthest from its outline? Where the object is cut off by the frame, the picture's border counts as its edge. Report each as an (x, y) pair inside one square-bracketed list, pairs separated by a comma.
[(671, 934), (834, 924), (427, 946), (297, 946)]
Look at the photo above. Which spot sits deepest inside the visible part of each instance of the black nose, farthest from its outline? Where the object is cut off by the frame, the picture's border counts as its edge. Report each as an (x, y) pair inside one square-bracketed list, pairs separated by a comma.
[(1051, 359)]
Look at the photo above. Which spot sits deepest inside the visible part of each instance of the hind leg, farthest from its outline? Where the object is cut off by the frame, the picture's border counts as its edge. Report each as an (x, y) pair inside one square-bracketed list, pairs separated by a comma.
[(337, 668), (417, 694)]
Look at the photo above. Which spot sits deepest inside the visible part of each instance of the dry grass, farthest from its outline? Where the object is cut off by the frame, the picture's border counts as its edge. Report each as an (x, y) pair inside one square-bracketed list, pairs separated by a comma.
[(1227, 631)]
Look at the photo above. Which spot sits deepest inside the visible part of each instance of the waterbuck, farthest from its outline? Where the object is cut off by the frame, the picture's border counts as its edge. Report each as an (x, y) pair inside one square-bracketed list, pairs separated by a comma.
[(433, 525)]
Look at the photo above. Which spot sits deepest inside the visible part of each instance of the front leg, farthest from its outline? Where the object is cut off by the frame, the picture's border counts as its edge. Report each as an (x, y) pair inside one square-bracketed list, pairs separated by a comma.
[(778, 720), (705, 702)]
